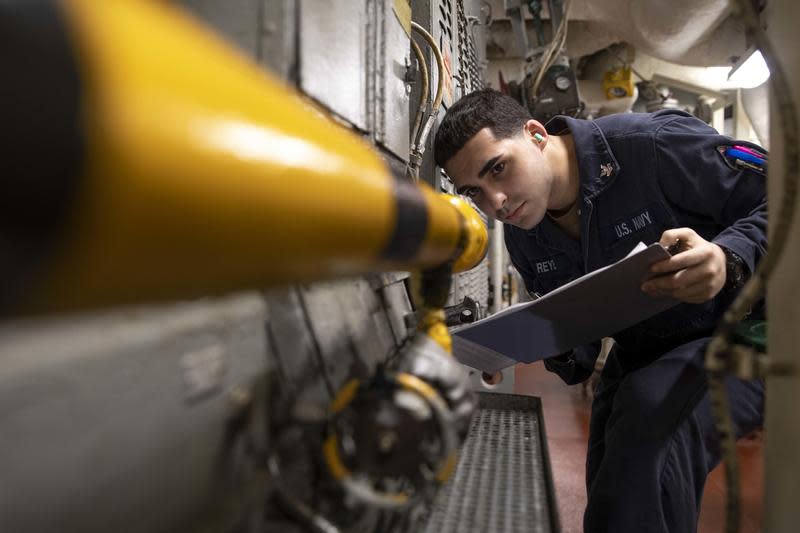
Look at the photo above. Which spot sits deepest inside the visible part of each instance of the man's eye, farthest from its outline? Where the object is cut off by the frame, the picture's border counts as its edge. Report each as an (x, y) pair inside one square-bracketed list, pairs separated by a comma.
[(498, 168), (472, 192)]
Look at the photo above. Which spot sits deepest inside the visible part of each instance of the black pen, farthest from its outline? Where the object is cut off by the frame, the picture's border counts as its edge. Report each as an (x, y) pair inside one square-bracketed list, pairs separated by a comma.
[(677, 247)]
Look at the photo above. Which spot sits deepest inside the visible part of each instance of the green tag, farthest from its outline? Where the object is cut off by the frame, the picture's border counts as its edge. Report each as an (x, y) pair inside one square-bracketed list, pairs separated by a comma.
[(752, 333)]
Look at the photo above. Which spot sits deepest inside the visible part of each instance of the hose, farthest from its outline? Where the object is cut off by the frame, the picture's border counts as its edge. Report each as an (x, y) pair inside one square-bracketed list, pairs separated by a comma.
[(424, 94), (418, 144), (437, 101)]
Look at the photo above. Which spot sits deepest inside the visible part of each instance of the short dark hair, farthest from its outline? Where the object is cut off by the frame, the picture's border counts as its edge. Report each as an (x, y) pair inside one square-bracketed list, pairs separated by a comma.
[(486, 108)]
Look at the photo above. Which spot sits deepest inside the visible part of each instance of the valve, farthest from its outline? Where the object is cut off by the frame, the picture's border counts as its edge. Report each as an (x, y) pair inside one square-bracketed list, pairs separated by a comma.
[(394, 437)]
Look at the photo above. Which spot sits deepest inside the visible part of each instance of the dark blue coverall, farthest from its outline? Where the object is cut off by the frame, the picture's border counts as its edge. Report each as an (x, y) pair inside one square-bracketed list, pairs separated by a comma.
[(652, 439)]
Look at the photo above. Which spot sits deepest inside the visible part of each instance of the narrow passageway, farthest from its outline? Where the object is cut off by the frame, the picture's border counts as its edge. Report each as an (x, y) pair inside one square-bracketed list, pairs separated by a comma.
[(566, 414)]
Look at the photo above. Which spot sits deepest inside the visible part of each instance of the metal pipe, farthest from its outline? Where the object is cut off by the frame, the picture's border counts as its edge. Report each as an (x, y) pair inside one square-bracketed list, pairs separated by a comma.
[(719, 347), (513, 9), (496, 265), (202, 175)]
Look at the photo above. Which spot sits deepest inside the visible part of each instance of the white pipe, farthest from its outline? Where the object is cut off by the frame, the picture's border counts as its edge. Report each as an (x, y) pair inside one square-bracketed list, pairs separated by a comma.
[(496, 265), (782, 460)]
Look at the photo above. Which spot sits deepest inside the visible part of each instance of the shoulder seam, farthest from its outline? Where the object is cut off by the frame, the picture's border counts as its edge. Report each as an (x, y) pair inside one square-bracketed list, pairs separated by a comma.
[(629, 134), (657, 131)]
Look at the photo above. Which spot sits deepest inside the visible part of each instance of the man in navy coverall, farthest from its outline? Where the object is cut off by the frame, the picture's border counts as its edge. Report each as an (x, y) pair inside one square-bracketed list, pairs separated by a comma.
[(577, 195)]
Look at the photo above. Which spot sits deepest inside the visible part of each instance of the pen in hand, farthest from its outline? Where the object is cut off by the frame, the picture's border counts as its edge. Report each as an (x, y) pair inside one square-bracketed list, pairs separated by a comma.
[(673, 249), (677, 247)]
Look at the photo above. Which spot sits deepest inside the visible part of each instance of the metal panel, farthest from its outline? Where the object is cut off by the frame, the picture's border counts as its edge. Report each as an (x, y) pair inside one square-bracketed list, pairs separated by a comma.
[(333, 56), (398, 305), (471, 47), (279, 37), (503, 481), (238, 20), (350, 327), (119, 421), (468, 77), (296, 352), (444, 32), (368, 321), (473, 283), (264, 29), (392, 120)]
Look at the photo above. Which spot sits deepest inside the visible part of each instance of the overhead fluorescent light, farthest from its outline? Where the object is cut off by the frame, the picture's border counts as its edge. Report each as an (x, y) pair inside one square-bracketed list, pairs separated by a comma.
[(749, 71)]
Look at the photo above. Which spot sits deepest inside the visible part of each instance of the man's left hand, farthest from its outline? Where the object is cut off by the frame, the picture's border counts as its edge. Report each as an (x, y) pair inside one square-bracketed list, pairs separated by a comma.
[(694, 275)]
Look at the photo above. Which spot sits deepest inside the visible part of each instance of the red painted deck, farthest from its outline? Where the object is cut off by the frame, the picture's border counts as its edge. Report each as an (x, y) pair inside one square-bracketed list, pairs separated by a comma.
[(566, 413)]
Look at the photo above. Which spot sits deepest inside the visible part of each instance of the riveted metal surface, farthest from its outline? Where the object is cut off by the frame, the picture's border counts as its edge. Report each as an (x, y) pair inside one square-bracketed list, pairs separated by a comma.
[(502, 483)]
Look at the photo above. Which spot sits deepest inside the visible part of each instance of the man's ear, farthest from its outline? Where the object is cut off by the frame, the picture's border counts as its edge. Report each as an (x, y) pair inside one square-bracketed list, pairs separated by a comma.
[(534, 130)]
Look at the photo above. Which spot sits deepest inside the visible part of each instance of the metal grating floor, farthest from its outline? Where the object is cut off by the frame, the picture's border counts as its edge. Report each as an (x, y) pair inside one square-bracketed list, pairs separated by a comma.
[(503, 481)]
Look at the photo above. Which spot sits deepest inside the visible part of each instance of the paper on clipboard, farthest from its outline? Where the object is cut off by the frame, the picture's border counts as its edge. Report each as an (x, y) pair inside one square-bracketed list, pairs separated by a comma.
[(593, 306)]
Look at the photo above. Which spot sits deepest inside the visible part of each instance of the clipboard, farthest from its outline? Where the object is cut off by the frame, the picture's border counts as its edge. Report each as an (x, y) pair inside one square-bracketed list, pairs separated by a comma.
[(587, 309)]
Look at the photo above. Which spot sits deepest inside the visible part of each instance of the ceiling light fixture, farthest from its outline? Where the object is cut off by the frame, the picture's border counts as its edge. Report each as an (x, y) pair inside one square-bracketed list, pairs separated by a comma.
[(750, 70)]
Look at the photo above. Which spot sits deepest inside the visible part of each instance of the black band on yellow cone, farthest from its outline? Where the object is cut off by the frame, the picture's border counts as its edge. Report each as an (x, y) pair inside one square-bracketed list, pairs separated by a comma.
[(411, 222), (41, 142)]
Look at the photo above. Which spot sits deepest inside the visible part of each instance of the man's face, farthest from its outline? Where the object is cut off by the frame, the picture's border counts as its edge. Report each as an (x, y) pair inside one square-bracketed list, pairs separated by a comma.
[(508, 179)]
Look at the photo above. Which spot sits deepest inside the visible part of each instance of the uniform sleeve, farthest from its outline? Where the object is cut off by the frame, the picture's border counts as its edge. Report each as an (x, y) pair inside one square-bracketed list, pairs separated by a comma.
[(572, 367), (696, 177)]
